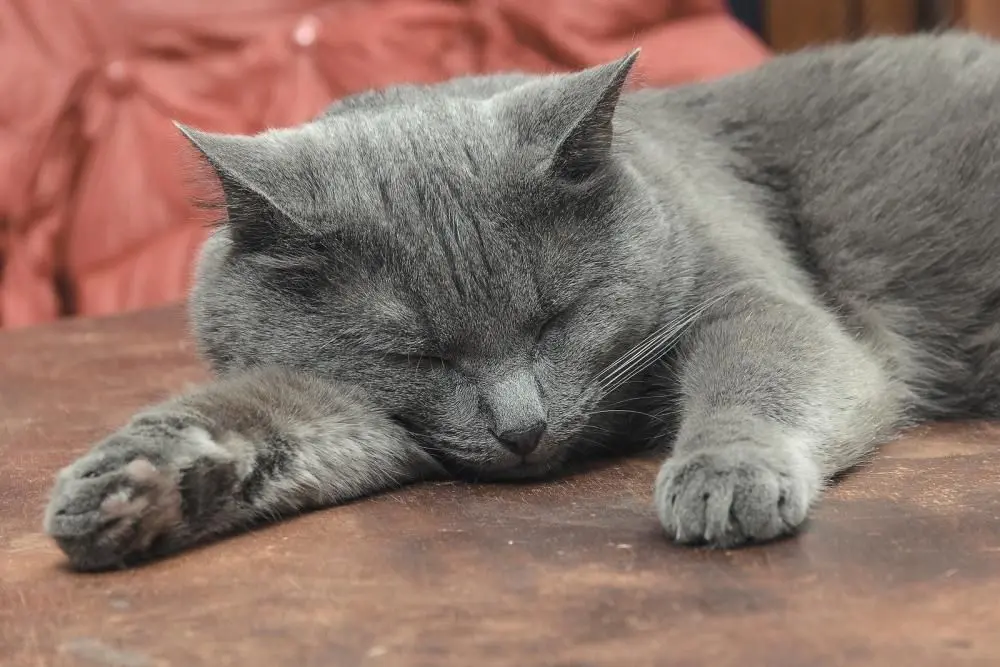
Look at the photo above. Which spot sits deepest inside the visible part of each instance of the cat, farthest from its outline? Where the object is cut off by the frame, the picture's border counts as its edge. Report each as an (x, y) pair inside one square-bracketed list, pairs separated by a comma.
[(497, 277)]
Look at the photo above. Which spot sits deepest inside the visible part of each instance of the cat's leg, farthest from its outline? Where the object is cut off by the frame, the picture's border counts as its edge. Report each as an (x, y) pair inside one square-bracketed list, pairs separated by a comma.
[(776, 399), (236, 452)]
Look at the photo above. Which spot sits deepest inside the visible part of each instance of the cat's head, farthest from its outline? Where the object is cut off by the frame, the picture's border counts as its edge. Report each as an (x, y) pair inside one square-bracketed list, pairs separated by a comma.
[(473, 255)]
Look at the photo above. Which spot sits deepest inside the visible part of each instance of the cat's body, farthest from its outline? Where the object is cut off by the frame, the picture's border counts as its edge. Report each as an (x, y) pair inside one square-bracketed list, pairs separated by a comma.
[(880, 163), (480, 278)]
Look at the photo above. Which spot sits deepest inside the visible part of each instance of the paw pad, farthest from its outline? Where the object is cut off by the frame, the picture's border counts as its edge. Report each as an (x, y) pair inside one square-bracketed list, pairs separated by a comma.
[(735, 495)]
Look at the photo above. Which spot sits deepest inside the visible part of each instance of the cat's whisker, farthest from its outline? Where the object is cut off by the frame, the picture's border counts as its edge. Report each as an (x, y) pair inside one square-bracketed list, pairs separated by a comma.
[(651, 343), (330, 341), (634, 352), (597, 444), (626, 376), (662, 346), (608, 385), (650, 356), (642, 397), (626, 412)]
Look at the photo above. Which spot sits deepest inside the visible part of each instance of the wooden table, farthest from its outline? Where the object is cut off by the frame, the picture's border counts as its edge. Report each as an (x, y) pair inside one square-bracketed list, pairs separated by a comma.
[(900, 566)]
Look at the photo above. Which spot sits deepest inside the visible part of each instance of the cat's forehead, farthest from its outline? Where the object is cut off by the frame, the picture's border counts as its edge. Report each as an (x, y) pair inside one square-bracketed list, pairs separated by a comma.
[(431, 132), (417, 171)]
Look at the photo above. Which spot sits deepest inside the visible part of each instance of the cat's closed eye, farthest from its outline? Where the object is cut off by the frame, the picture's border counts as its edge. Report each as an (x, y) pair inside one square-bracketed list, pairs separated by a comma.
[(549, 325), (557, 323), (553, 325)]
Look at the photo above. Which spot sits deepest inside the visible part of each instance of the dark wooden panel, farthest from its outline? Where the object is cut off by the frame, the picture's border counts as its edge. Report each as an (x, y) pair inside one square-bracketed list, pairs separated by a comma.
[(878, 17), (980, 15), (793, 24)]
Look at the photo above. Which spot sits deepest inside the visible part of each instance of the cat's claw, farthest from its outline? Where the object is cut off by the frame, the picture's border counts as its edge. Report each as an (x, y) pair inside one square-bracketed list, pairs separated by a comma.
[(735, 495)]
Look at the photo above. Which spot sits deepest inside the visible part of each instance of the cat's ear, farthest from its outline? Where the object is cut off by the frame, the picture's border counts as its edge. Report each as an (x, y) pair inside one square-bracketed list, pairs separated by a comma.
[(249, 170), (588, 100)]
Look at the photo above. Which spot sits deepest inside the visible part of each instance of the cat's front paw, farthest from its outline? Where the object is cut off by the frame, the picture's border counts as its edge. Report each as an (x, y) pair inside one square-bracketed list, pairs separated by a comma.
[(735, 495), (113, 504)]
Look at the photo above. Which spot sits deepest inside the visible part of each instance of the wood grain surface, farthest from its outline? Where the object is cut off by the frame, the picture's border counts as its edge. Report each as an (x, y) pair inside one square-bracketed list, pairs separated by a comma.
[(900, 565)]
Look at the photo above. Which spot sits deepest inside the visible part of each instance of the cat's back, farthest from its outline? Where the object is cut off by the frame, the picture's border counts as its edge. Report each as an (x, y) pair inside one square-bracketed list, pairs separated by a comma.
[(882, 159), (861, 95), (827, 79), (883, 152)]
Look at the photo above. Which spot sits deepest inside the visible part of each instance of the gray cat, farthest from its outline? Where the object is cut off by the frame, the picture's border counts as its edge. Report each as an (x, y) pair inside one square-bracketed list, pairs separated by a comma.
[(497, 277)]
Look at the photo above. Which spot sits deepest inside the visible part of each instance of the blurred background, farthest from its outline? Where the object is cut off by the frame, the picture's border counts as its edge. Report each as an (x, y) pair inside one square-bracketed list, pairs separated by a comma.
[(96, 213)]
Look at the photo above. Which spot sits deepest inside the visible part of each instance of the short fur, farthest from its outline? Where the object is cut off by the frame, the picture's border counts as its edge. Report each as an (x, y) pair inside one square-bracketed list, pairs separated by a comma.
[(773, 272)]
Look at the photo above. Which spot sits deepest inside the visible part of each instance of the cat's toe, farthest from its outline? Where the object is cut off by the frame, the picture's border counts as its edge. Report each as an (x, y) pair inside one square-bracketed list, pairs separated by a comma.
[(103, 512), (735, 495)]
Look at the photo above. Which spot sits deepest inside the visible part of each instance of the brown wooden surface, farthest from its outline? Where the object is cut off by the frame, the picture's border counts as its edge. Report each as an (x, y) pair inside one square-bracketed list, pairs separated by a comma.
[(900, 566)]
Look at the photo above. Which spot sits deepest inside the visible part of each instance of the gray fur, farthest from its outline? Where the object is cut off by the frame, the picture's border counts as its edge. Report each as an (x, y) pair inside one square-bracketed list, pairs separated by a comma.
[(773, 272), (264, 444)]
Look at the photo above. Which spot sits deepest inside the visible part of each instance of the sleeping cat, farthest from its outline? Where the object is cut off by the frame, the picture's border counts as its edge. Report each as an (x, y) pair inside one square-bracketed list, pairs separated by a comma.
[(497, 277)]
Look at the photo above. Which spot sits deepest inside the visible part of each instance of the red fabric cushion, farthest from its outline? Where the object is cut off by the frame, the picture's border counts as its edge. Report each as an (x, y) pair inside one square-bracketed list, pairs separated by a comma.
[(96, 215)]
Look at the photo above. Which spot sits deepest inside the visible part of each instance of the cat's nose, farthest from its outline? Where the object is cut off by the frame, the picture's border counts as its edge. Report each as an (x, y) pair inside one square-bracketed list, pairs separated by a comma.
[(523, 441)]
